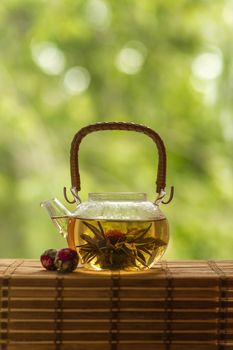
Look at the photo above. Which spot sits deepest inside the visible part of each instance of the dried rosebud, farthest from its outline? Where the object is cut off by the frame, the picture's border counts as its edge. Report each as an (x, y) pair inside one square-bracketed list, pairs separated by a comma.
[(114, 236), (47, 259), (66, 260)]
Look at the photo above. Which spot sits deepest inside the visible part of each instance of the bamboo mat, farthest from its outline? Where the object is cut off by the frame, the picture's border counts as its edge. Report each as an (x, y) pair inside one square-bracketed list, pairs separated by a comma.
[(176, 305)]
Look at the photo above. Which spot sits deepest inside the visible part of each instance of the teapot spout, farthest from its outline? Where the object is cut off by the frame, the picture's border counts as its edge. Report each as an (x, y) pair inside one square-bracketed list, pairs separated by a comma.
[(59, 215)]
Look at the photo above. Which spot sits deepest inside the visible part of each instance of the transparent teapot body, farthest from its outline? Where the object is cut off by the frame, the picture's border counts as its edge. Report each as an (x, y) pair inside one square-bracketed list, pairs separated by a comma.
[(118, 231)]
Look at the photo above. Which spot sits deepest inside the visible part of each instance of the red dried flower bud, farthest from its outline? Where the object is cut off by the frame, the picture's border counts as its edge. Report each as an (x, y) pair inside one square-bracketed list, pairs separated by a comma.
[(67, 254), (47, 259), (66, 260)]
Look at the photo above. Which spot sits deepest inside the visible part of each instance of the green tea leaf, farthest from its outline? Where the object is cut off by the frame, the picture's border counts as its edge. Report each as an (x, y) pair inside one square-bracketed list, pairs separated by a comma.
[(88, 239), (145, 250), (101, 229), (126, 251), (103, 248), (129, 238), (93, 229), (82, 245), (86, 249), (141, 256), (111, 258), (148, 240), (87, 256), (159, 242), (141, 261), (90, 258), (141, 233), (130, 246)]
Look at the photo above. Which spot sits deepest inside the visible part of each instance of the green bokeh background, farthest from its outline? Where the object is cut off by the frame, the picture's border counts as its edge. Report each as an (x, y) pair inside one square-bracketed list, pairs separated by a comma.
[(167, 64)]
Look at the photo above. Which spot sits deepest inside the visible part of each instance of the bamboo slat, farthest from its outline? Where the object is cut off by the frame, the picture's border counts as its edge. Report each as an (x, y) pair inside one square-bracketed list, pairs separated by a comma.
[(176, 305)]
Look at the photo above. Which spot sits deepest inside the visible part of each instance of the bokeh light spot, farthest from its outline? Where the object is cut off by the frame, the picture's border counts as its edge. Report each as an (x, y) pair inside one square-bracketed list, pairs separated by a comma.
[(48, 57), (77, 80), (228, 12), (207, 65), (130, 60), (98, 13)]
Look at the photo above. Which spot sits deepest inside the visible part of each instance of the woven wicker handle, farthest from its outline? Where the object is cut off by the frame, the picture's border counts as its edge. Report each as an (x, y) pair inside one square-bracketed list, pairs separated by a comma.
[(74, 165)]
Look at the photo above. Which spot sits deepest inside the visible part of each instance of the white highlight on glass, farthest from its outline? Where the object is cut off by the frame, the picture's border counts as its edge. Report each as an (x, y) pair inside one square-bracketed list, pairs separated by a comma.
[(48, 57), (131, 58), (208, 65), (77, 80), (98, 13)]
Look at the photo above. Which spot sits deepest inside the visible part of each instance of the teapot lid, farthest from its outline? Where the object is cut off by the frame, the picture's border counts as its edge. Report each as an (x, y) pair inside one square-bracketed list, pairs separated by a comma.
[(118, 206), (117, 196)]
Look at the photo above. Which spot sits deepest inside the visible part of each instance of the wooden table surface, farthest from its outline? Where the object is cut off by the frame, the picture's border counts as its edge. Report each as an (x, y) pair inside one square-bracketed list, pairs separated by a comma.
[(176, 305)]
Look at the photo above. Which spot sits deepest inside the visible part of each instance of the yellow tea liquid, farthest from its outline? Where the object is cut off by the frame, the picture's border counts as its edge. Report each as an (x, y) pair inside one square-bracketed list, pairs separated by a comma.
[(129, 245)]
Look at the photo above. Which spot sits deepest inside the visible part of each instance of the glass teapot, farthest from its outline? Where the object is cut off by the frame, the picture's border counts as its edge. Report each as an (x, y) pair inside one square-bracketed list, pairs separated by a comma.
[(114, 230)]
